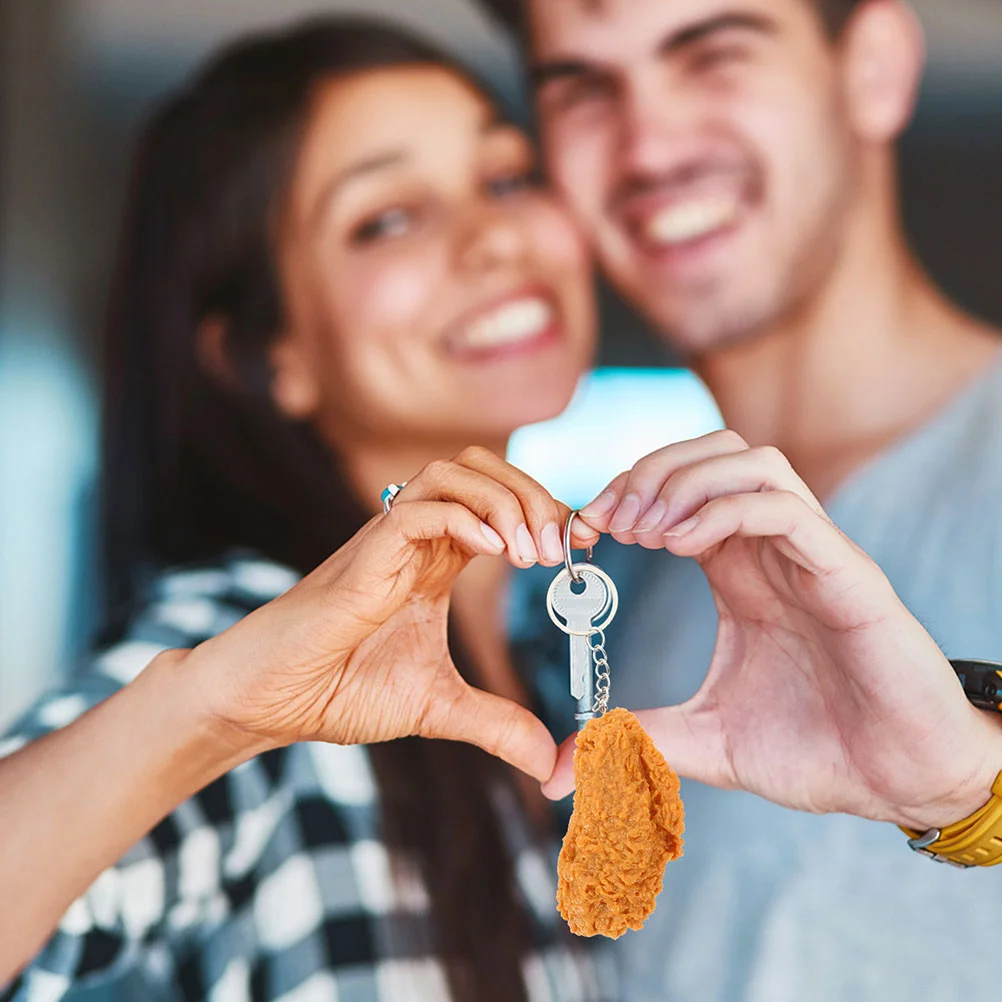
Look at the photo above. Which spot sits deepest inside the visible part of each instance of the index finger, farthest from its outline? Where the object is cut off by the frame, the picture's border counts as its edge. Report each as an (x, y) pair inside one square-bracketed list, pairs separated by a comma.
[(618, 508), (545, 516)]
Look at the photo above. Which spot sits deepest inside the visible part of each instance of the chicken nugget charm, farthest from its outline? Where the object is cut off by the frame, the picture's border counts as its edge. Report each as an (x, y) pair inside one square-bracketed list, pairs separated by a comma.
[(627, 825)]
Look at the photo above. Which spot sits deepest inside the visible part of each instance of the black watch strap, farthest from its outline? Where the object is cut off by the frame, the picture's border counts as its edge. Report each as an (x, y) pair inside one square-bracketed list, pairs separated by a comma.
[(982, 682)]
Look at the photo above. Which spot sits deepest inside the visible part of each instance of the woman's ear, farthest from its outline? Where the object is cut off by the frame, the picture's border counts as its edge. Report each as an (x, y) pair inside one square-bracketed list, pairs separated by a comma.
[(294, 387), (210, 351), (294, 390), (883, 56)]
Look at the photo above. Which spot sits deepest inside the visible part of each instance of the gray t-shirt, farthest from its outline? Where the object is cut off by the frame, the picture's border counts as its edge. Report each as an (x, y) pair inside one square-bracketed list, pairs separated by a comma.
[(769, 905)]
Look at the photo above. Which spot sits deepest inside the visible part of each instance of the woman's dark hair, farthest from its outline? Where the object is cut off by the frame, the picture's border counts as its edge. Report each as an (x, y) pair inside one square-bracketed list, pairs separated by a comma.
[(195, 466)]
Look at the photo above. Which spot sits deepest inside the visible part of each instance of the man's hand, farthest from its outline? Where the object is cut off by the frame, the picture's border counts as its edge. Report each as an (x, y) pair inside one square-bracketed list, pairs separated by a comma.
[(824, 693)]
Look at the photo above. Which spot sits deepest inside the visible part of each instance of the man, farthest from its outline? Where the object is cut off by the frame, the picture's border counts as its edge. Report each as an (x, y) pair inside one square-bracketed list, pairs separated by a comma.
[(733, 164)]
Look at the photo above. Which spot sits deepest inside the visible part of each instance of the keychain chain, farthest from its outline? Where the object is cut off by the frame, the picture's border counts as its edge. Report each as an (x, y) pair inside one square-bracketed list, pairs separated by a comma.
[(602, 680)]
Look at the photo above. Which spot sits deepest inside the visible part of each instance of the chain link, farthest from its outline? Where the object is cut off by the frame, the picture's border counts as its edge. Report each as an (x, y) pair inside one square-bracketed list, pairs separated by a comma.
[(596, 641)]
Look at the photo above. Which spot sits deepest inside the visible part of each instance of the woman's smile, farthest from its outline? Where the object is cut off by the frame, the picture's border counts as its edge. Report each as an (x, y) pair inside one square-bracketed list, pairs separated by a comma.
[(523, 322)]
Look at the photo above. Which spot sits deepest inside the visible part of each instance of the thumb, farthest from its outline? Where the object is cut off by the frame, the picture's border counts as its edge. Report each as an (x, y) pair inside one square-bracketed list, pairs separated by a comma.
[(561, 782), (499, 726), (690, 741)]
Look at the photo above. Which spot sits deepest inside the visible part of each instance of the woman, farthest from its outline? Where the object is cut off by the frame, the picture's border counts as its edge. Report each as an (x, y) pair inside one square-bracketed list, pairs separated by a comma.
[(336, 268)]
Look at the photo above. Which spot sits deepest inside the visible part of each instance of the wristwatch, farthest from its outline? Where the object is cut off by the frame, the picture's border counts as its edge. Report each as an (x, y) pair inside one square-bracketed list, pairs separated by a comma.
[(977, 840), (982, 682)]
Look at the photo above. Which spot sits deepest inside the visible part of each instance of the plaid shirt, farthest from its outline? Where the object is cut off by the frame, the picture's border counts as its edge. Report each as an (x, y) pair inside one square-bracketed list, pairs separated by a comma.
[(272, 882)]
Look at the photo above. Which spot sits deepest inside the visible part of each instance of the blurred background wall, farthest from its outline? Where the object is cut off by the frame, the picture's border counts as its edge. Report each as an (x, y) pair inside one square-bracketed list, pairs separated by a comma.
[(77, 78)]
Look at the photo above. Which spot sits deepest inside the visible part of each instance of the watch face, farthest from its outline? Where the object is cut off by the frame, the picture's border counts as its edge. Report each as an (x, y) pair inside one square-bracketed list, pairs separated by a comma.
[(982, 682)]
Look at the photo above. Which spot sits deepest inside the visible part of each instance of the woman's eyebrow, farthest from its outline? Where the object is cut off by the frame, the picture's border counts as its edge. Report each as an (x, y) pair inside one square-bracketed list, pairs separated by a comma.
[(355, 171)]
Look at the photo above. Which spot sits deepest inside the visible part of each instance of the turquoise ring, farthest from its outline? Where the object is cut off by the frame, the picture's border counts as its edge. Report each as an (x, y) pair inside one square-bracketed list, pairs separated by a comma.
[(389, 493)]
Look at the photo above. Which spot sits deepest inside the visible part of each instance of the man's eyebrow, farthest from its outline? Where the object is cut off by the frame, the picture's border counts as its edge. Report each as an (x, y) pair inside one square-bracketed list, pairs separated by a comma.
[(368, 165), (542, 73), (556, 69), (728, 21)]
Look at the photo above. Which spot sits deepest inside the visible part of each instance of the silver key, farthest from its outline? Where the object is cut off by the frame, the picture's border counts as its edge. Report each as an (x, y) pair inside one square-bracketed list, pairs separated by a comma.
[(582, 613)]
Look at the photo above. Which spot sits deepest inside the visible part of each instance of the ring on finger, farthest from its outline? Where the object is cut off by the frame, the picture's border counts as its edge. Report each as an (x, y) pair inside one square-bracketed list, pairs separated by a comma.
[(389, 495)]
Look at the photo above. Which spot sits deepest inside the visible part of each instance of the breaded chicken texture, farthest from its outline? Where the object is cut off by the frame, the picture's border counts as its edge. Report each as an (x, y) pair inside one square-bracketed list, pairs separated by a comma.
[(627, 824)]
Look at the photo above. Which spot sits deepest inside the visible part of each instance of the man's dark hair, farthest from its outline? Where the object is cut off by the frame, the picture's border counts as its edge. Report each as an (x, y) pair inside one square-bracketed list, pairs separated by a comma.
[(834, 13)]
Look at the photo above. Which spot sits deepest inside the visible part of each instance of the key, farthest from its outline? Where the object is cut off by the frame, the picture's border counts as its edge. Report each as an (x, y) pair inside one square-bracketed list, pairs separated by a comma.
[(582, 601), (581, 612)]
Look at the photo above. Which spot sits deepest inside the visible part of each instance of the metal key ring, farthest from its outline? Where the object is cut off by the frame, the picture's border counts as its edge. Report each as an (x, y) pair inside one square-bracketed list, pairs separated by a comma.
[(568, 559), (611, 609)]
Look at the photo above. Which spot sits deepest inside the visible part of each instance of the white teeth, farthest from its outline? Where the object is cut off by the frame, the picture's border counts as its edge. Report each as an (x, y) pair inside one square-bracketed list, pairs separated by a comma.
[(689, 220), (515, 321)]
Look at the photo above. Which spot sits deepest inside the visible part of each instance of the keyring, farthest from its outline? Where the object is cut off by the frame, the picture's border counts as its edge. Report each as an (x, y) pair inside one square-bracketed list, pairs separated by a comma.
[(609, 612), (569, 565)]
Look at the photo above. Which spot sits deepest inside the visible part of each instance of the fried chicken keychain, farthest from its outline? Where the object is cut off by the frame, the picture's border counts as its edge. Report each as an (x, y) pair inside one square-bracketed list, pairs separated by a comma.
[(628, 817)]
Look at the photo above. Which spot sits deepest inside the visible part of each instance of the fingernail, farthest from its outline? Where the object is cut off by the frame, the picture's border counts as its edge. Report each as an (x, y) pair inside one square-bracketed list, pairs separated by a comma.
[(655, 513), (602, 505), (491, 536), (684, 528), (552, 791), (526, 547), (626, 514), (553, 547)]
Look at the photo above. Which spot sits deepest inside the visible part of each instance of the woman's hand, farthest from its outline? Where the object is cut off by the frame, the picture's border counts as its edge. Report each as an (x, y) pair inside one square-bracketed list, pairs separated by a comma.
[(357, 651), (824, 693)]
